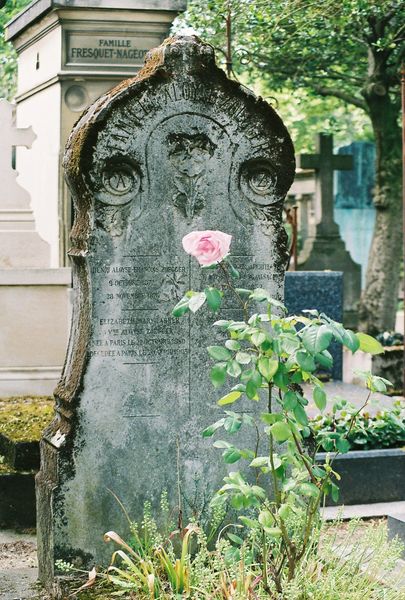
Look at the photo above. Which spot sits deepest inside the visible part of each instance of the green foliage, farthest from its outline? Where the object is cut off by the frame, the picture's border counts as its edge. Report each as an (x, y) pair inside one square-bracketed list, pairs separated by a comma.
[(322, 47), (343, 561), (385, 429), (8, 57), (265, 359)]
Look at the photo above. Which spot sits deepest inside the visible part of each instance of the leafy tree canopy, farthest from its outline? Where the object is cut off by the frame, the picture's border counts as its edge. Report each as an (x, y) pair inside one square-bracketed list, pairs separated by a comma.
[(8, 57)]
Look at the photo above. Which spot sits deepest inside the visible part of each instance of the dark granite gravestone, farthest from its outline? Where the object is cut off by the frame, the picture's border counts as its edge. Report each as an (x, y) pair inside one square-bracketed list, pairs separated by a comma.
[(322, 290), (178, 148)]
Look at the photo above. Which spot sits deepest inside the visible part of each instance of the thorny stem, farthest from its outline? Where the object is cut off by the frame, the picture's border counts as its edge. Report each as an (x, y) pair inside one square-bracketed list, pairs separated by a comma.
[(230, 285), (304, 460), (356, 414)]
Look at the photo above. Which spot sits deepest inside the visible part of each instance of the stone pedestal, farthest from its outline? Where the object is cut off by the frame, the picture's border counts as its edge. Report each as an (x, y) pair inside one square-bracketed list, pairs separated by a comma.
[(325, 250), (34, 328), (69, 53)]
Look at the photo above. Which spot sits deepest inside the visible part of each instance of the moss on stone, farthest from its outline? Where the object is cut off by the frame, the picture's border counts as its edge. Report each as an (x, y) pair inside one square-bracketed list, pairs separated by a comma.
[(23, 418)]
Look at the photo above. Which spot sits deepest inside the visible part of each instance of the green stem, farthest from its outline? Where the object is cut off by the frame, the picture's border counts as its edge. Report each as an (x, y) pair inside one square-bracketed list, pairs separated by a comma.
[(230, 285)]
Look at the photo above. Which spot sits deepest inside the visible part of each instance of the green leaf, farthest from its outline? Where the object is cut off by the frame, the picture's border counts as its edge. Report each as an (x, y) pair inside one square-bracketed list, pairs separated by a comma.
[(300, 415), (369, 344), (211, 429), (222, 324), (258, 338), (214, 298), (305, 361), (260, 295), (266, 519), (280, 431), (267, 367), (325, 359), (231, 455), (222, 444), (335, 492), (260, 461), (270, 418), (229, 398), (181, 307), (232, 423), (235, 538), (309, 489), (219, 353), (251, 389), (320, 398), (196, 301), (233, 369), (243, 358), (342, 445), (232, 345), (351, 341), (234, 272), (290, 400), (218, 374), (316, 339), (243, 292)]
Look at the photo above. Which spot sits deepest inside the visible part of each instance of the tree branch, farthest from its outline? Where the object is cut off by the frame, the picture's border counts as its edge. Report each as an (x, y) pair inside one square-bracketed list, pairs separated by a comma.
[(337, 93)]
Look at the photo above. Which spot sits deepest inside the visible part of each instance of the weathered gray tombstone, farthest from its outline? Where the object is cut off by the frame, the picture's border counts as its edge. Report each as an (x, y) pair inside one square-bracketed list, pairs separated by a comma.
[(178, 148), (326, 249)]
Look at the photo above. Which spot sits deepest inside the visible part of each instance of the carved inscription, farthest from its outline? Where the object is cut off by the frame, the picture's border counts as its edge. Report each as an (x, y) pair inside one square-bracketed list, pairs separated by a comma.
[(97, 49), (144, 292)]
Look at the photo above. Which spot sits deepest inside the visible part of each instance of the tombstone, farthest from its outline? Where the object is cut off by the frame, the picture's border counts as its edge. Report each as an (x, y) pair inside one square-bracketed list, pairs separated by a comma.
[(326, 249), (69, 53), (178, 148), (354, 209), (322, 291), (354, 188), (33, 298), (20, 244)]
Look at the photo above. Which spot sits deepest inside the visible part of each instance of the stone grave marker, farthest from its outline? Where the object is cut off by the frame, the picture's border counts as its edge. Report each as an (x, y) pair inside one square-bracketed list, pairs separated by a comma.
[(176, 149), (20, 244), (325, 249)]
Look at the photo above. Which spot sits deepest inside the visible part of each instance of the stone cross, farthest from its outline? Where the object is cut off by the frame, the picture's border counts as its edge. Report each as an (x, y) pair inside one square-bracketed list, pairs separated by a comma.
[(324, 163), (20, 244), (11, 136), (176, 149), (326, 250)]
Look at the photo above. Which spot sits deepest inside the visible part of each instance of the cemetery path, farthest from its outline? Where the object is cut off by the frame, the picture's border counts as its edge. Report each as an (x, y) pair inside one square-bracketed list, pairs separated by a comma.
[(18, 566)]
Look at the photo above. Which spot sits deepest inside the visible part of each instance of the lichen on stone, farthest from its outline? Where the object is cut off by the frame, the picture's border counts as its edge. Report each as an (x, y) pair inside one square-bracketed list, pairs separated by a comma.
[(23, 418)]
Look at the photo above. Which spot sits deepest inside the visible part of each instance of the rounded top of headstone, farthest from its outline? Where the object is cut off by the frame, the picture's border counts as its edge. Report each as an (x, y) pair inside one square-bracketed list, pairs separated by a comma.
[(186, 108)]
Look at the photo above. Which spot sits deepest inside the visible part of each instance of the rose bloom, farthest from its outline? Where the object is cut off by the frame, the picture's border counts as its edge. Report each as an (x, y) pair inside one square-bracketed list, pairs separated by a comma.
[(208, 247)]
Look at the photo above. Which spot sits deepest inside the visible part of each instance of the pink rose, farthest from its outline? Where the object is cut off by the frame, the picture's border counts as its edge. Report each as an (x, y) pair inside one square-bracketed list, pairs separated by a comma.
[(208, 247)]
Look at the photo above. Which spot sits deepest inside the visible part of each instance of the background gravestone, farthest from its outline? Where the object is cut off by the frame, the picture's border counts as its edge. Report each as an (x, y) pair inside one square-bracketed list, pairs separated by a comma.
[(325, 249), (178, 148)]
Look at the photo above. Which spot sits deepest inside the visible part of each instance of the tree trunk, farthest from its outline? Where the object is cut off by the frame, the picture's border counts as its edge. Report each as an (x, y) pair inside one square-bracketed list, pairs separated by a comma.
[(379, 300)]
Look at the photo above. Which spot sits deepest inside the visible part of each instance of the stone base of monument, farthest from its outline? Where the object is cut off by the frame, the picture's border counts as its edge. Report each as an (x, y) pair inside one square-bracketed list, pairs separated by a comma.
[(330, 253), (390, 365), (369, 476), (396, 528), (35, 309)]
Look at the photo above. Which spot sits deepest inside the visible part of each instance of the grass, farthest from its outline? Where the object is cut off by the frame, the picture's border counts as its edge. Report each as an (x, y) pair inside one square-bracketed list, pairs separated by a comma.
[(23, 418)]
